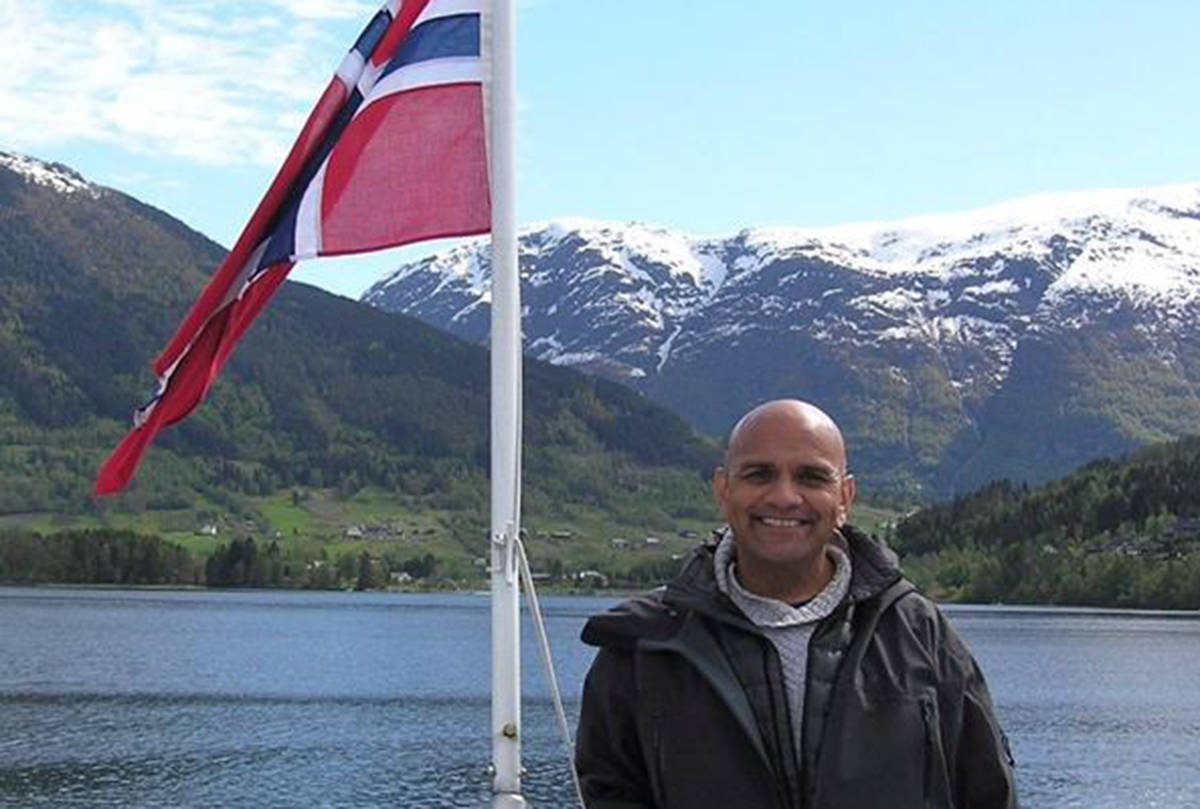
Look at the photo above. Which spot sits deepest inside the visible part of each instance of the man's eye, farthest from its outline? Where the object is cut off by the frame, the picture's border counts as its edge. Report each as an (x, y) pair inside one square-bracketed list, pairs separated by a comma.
[(756, 474), (814, 478)]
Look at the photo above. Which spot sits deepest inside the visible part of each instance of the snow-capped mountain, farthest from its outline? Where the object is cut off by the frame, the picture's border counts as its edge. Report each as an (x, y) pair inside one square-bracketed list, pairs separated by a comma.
[(1017, 340), (56, 176)]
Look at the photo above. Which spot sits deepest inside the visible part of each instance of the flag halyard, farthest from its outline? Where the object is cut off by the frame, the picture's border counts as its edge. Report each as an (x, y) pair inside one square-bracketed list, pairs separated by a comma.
[(395, 151)]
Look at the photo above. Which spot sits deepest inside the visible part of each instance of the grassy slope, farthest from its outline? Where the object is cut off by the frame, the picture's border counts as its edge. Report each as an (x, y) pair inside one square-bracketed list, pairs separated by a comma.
[(312, 520)]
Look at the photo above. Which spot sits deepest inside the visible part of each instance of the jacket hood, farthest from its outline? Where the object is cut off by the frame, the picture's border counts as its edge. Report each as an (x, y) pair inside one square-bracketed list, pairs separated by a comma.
[(876, 566), (657, 615), (643, 616)]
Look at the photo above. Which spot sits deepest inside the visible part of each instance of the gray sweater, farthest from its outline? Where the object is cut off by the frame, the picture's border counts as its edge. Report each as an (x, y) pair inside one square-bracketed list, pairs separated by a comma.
[(788, 628)]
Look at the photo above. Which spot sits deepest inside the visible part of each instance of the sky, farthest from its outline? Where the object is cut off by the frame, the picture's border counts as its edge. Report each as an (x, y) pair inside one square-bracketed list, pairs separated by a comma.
[(705, 117)]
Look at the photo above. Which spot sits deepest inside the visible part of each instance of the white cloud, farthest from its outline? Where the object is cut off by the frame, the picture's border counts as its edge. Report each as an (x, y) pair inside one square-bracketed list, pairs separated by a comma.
[(216, 82), (327, 9)]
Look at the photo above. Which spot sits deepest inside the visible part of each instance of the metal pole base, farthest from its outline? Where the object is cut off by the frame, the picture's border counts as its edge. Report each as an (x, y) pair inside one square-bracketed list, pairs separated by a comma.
[(508, 800)]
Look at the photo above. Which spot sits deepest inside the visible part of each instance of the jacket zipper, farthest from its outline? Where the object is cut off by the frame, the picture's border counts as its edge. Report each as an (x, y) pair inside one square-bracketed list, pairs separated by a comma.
[(930, 750)]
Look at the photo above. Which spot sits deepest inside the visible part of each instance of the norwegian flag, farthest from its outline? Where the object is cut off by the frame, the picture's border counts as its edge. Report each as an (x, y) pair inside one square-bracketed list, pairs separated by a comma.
[(394, 152)]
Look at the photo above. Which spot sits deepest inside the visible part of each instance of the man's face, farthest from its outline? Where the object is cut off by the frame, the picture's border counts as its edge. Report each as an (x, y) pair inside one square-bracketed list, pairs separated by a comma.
[(783, 491)]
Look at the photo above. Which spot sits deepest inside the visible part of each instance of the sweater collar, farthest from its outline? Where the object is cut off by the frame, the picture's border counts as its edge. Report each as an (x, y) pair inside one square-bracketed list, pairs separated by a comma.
[(873, 569), (771, 612)]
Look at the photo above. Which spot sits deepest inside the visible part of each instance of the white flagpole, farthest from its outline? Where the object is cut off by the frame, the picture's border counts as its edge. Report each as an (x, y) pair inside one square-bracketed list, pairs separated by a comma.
[(505, 418)]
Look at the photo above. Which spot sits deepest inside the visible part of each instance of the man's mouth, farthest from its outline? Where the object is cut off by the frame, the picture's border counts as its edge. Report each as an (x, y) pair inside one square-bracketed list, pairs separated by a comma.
[(784, 522)]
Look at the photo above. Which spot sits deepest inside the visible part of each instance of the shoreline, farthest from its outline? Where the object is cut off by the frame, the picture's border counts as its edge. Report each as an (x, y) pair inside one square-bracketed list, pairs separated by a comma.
[(951, 606)]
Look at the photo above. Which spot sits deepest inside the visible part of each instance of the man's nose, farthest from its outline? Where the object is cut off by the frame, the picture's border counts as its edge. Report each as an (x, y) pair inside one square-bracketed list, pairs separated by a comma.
[(785, 493)]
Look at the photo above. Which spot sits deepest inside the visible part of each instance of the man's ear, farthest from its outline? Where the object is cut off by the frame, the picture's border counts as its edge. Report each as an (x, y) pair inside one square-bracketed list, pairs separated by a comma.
[(720, 485), (849, 490)]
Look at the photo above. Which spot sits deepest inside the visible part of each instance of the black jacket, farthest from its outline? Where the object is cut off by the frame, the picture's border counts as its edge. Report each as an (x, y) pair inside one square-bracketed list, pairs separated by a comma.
[(685, 708)]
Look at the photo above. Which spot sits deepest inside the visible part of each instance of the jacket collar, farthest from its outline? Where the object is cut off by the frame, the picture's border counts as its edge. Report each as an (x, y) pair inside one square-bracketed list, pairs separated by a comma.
[(873, 569), (658, 615)]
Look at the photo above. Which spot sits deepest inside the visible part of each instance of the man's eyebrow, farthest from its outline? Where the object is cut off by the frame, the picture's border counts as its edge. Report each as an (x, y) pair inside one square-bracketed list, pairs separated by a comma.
[(743, 466), (754, 465), (827, 471)]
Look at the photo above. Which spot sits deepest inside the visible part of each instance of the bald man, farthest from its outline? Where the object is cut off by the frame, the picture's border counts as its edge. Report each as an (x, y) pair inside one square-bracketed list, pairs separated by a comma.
[(790, 664)]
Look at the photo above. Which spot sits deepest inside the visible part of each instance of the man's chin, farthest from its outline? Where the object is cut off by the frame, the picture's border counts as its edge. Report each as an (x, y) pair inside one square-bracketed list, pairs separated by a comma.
[(795, 546)]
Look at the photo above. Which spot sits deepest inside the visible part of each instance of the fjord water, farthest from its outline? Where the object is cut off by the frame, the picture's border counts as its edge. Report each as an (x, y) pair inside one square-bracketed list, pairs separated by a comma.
[(113, 698)]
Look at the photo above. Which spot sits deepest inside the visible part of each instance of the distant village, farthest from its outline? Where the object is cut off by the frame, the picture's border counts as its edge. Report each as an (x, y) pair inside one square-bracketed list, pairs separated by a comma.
[(654, 548)]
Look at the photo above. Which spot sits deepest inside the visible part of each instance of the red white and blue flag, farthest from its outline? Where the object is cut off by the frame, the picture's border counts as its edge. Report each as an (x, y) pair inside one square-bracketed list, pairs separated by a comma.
[(394, 152)]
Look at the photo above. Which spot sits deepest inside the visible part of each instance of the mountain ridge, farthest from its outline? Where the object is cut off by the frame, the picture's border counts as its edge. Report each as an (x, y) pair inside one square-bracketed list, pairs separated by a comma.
[(918, 333), (323, 392)]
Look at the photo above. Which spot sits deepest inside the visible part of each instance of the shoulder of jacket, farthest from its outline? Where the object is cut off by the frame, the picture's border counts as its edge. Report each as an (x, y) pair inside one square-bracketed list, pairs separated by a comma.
[(925, 620), (641, 617)]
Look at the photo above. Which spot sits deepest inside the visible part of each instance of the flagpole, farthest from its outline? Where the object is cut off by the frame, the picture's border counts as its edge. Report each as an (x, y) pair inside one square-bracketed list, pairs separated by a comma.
[(505, 418)]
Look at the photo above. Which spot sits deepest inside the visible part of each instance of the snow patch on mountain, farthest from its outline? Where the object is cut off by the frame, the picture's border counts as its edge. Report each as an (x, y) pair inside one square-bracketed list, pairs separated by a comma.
[(635, 300), (1143, 229), (55, 176)]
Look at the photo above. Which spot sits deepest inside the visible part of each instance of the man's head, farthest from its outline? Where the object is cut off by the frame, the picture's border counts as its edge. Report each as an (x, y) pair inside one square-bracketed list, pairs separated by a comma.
[(784, 491)]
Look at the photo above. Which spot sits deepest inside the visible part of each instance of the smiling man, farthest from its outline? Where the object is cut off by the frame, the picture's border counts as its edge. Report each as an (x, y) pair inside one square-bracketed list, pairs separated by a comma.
[(790, 664), (785, 492)]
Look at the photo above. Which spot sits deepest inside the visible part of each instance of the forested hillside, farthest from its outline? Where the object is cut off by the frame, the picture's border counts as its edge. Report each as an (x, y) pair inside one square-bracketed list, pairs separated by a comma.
[(1121, 533), (325, 399)]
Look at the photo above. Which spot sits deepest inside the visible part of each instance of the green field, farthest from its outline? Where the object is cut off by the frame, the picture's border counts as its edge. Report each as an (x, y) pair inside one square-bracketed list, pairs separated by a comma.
[(314, 524)]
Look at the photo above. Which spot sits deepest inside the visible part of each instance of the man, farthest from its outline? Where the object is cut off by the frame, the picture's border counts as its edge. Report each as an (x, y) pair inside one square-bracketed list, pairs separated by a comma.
[(789, 664)]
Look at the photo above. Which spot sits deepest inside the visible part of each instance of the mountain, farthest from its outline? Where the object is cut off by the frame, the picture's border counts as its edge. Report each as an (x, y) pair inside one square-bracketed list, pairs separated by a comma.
[(1116, 532), (1017, 341), (323, 392)]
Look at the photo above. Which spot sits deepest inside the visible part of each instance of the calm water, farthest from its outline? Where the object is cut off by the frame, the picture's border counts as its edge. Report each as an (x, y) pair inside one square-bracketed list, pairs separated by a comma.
[(234, 699)]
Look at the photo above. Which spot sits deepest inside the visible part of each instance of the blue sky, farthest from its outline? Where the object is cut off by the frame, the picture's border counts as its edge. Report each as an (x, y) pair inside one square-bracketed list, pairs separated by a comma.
[(700, 116)]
